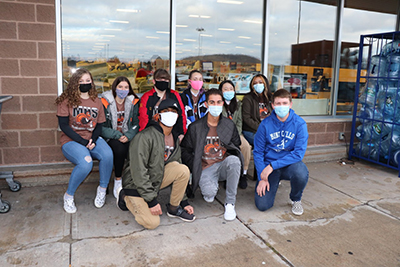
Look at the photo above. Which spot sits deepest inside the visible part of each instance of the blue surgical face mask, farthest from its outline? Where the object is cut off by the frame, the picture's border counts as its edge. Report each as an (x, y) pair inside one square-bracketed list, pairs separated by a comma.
[(281, 111), (215, 111), (121, 93), (228, 95), (259, 87)]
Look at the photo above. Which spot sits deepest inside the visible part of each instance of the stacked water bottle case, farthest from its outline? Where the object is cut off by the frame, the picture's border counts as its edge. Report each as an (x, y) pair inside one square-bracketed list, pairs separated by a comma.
[(376, 119)]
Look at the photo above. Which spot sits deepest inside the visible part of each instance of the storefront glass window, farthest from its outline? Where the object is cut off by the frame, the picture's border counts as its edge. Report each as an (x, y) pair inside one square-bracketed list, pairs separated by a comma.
[(118, 38), (220, 38), (300, 52), (374, 18)]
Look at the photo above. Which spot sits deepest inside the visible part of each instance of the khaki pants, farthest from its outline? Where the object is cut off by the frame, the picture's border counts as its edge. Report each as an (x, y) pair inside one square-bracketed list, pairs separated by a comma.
[(245, 148), (174, 173)]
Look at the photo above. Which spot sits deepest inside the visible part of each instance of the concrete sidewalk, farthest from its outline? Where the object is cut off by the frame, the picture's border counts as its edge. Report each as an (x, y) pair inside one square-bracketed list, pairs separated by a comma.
[(351, 218)]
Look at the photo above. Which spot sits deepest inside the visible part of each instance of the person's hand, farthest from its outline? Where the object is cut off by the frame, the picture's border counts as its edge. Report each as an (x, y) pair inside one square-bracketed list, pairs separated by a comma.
[(180, 137), (266, 172), (123, 139), (156, 210), (90, 145), (261, 187), (189, 209)]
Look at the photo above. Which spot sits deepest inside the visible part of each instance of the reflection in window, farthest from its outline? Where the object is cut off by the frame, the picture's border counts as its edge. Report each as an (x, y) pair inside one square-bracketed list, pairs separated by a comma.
[(222, 39), (114, 39), (300, 52), (358, 22)]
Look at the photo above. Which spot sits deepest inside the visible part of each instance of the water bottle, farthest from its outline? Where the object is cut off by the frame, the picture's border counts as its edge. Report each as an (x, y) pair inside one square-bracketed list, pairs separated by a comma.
[(379, 130), (364, 148), (395, 158), (390, 48), (363, 132), (369, 113), (388, 100), (368, 93), (393, 68), (377, 66)]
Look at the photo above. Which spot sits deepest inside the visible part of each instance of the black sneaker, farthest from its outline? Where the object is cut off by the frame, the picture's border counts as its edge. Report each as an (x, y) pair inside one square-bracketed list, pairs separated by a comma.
[(243, 182), (121, 200), (181, 214)]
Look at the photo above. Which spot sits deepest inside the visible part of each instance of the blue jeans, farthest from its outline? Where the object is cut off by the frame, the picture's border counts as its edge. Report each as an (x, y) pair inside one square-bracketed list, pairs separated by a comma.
[(297, 174), (82, 158), (249, 137)]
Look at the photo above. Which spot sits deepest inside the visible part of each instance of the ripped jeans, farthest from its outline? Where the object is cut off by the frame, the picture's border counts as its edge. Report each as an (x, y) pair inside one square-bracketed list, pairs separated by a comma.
[(82, 158)]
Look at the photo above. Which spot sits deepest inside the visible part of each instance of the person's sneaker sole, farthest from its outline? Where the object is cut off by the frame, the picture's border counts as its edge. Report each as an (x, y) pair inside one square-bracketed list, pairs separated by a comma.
[(183, 219)]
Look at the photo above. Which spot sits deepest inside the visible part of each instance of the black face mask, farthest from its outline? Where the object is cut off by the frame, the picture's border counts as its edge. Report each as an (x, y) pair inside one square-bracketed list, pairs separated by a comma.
[(85, 87), (162, 85)]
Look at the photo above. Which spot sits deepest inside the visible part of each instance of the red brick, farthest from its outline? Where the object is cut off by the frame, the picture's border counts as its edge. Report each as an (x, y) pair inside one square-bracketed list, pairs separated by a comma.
[(36, 31), (19, 121), (311, 140), (45, 13), (21, 155), (48, 121), (325, 138), (17, 49), (9, 67), (38, 68), (39, 103), (51, 154), (38, 138), (347, 126), (47, 51), (17, 11), (9, 139), (12, 105), (8, 30), (19, 86), (316, 127), (48, 86), (335, 127)]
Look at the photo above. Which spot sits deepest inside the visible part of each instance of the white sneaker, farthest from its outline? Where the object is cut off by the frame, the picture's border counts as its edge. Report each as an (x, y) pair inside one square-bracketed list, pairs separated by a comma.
[(209, 199), (297, 208), (230, 213), (117, 187), (100, 198), (69, 205)]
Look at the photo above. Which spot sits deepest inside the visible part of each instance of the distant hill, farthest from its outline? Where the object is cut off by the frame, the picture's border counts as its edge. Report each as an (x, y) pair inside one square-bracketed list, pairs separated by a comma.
[(225, 57)]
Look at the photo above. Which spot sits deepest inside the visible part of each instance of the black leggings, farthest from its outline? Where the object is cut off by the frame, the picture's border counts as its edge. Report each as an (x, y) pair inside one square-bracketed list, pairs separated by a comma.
[(120, 151)]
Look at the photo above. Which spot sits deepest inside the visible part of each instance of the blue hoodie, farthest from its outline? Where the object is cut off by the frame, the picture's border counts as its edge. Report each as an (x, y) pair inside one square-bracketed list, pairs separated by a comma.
[(280, 143)]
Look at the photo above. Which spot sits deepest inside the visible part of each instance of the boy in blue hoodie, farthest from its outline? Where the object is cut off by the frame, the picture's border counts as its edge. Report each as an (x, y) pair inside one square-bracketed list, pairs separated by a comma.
[(279, 147)]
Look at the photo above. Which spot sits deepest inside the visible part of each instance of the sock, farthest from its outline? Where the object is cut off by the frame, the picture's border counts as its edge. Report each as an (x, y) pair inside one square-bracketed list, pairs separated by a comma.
[(101, 189), (244, 172), (117, 183), (68, 196), (173, 209)]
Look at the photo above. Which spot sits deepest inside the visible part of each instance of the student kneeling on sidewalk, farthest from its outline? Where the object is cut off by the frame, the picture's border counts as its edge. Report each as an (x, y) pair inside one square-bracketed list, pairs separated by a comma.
[(155, 163)]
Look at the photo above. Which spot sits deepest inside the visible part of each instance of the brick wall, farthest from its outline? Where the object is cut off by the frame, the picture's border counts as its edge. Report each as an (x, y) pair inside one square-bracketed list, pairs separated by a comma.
[(28, 128), (327, 133)]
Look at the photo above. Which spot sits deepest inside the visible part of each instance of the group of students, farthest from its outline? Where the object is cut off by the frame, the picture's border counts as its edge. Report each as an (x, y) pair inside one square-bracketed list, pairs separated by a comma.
[(168, 137)]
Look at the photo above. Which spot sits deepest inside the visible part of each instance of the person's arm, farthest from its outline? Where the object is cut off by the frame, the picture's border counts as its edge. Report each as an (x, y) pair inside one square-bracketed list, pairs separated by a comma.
[(299, 150), (247, 112), (187, 148), (63, 122), (96, 132), (260, 142), (143, 116), (134, 125), (139, 155)]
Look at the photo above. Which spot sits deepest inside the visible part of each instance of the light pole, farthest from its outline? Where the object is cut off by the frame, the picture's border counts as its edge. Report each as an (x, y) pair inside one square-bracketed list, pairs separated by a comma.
[(200, 30)]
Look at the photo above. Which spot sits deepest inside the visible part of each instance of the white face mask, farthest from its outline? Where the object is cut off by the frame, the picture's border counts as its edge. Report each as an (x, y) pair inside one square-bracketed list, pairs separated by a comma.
[(168, 118)]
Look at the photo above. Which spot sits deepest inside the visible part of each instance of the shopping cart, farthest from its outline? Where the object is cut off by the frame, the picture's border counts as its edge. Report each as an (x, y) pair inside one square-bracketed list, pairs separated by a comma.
[(14, 186)]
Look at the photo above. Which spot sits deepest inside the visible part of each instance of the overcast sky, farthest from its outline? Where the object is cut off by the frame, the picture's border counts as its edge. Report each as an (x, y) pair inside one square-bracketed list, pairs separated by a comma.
[(138, 30)]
